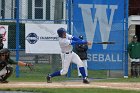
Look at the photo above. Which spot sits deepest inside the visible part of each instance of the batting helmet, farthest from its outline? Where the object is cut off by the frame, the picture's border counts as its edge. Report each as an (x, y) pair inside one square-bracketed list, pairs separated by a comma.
[(4, 51), (134, 36), (81, 37), (60, 32)]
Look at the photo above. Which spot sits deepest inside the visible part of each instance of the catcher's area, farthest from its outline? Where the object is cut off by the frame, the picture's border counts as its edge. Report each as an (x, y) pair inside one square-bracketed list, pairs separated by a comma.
[(68, 84)]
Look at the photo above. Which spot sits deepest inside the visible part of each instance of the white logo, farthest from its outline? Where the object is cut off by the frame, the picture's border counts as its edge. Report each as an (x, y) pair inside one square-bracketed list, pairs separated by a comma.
[(105, 22)]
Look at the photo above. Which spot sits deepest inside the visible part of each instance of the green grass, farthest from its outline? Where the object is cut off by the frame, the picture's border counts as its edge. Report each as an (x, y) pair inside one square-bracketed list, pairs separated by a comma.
[(72, 90), (41, 70), (37, 75)]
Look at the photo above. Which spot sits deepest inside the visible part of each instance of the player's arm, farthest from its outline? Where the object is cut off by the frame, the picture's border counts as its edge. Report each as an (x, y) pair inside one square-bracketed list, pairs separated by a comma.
[(10, 61), (20, 63), (129, 48), (75, 38), (29, 65), (71, 37), (80, 42)]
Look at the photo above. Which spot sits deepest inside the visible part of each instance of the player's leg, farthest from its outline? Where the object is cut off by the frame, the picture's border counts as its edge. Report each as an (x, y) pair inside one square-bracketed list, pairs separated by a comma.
[(2, 74), (66, 59), (85, 66), (139, 68), (9, 73), (136, 67), (78, 71), (76, 59), (132, 69), (5, 73)]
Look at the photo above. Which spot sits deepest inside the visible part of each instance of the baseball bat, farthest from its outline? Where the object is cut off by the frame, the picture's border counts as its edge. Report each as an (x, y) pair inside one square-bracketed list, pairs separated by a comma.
[(103, 42)]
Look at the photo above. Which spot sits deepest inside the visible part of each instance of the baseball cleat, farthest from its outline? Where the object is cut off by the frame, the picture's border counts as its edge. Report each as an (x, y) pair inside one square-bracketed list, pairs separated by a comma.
[(3, 81), (48, 79), (85, 80), (79, 76)]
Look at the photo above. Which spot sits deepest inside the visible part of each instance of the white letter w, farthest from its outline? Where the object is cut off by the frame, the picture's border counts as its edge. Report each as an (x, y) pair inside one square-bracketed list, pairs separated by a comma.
[(101, 17)]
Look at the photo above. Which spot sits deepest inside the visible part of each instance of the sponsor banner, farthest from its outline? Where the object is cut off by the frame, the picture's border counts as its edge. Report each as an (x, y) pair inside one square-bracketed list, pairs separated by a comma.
[(4, 33), (101, 21), (42, 38)]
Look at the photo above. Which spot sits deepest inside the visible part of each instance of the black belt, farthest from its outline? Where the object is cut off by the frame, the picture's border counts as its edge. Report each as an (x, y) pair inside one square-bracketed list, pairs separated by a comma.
[(67, 52)]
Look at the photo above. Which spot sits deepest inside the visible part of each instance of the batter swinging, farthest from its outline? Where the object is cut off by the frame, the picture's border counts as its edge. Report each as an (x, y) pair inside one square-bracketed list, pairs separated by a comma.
[(66, 41)]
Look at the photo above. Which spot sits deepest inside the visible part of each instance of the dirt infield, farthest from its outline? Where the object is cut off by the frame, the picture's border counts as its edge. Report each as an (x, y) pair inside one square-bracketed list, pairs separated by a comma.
[(118, 85)]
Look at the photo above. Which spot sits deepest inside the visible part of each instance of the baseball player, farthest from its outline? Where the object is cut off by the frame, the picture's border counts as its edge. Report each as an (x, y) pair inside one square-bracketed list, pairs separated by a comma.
[(5, 69), (66, 41), (1, 42), (81, 51), (134, 53)]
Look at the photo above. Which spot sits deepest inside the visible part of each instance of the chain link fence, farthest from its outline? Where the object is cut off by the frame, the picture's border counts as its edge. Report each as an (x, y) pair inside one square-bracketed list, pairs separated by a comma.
[(16, 13)]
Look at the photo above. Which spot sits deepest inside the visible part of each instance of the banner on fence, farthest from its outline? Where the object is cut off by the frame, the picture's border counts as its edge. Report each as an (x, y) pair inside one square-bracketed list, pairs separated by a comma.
[(42, 38), (4, 33), (101, 21)]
